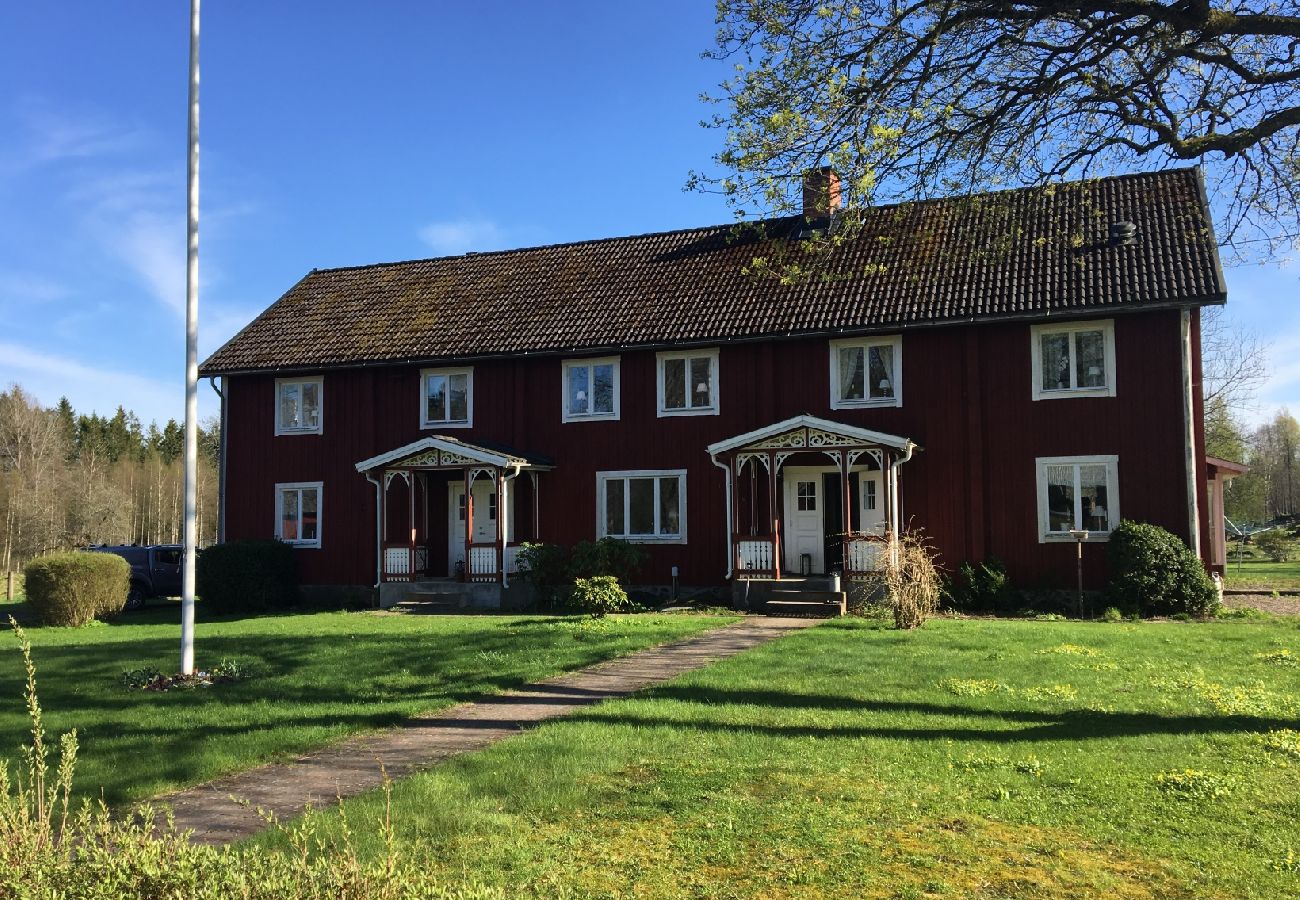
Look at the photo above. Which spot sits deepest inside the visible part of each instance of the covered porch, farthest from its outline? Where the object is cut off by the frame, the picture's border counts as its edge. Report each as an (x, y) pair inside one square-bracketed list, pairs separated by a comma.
[(452, 510), (808, 496)]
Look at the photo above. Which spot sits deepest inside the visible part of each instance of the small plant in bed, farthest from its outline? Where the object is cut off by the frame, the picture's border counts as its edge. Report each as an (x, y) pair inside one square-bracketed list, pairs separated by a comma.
[(149, 678)]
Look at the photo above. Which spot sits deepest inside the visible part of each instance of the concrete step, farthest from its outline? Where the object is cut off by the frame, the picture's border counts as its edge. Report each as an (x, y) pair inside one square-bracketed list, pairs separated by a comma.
[(802, 609), (809, 596), (436, 587), (431, 603)]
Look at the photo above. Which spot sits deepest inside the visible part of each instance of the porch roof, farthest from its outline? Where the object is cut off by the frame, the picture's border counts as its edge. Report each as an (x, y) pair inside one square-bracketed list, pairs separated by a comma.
[(809, 424), (442, 451)]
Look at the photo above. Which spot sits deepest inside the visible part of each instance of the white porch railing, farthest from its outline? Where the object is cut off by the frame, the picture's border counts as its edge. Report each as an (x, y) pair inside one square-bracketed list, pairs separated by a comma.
[(512, 559), (864, 554), (482, 562), (755, 556), (399, 565)]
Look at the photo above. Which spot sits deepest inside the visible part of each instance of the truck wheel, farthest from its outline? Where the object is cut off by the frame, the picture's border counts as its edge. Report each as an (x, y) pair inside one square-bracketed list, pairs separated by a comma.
[(134, 599)]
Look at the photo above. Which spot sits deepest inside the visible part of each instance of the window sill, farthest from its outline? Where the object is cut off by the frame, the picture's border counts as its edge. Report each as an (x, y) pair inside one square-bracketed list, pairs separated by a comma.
[(1064, 537), (648, 539), (698, 411), (290, 432), (866, 404), (592, 417), (301, 545), (1070, 393), (430, 425)]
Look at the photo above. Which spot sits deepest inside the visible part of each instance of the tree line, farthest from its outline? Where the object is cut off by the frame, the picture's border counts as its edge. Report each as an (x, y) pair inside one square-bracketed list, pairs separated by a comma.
[(68, 480), (1272, 450)]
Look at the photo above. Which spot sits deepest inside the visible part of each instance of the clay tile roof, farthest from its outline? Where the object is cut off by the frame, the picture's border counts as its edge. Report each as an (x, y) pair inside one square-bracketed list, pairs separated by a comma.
[(1015, 254)]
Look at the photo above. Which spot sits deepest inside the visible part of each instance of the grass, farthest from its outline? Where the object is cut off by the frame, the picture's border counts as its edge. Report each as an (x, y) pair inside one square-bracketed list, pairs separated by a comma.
[(317, 677), (972, 758), (1258, 571)]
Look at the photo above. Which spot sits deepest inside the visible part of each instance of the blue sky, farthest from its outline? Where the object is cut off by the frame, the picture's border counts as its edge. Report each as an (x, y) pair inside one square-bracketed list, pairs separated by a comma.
[(357, 133)]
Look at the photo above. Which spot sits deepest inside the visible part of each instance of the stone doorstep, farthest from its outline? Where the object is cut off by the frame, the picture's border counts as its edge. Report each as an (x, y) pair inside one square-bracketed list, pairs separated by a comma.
[(227, 809)]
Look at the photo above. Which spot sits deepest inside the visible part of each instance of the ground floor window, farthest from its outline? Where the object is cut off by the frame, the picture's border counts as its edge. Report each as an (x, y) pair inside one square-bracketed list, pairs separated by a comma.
[(642, 507), (1077, 493), (297, 513)]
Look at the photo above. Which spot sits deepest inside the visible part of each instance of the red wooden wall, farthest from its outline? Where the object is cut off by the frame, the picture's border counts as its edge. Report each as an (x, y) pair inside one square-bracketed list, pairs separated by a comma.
[(966, 401)]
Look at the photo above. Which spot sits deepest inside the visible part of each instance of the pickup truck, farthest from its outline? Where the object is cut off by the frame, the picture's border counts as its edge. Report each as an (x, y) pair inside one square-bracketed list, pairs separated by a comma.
[(155, 570)]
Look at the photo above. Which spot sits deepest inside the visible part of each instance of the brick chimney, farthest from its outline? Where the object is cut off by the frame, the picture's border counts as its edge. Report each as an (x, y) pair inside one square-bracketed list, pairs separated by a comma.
[(821, 192)]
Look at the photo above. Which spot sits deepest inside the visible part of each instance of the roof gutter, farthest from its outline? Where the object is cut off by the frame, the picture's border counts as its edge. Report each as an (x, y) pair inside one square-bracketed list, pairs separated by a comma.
[(379, 532), (731, 552), (504, 515)]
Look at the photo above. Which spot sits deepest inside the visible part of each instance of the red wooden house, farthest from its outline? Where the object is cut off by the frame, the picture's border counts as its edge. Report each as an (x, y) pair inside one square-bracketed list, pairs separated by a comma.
[(998, 370)]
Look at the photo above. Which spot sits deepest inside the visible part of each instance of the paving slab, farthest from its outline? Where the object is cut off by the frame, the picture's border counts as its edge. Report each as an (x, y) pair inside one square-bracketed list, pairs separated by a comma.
[(227, 810)]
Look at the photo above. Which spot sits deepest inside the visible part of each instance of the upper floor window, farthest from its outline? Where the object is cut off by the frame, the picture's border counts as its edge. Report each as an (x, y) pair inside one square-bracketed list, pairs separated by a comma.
[(642, 507), (688, 383), (1075, 359), (867, 372), (298, 404), (591, 389), (447, 398), (1077, 493), (297, 513)]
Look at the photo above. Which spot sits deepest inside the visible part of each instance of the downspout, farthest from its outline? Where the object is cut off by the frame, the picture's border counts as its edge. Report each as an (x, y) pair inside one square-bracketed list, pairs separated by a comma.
[(221, 464), (893, 486), (504, 513), (731, 550), (1189, 437), (379, 530)]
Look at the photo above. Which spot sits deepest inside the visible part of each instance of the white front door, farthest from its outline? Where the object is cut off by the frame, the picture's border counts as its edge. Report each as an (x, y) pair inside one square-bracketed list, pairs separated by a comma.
[(485, 519), (803, 518), (871, 496)]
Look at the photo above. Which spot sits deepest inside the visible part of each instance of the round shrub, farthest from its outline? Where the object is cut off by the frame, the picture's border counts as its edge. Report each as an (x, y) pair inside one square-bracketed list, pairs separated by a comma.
[(247, 576), (1154, 573), (74, 588), (1275, 545), (599, 595)]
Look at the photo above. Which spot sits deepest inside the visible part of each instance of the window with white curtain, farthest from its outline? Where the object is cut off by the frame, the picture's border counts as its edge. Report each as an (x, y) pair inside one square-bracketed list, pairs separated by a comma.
[(1077, 493), (447, 398), (866, 372), (1073, 359), (298, 404), (298, 513), (688, 383), (591, 389)]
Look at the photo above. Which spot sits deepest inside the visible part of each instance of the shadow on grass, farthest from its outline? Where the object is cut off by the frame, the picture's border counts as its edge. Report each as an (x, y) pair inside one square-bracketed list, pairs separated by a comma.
[(1035, 725)]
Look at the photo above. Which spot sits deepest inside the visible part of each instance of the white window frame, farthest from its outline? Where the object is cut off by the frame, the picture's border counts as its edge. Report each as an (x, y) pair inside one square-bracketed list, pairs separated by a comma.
[(589, 364), (715, 405), (1105, 326), (603, 479), (1111, 462), (319, 487), (280, 384), (425, 421), (894, 341)]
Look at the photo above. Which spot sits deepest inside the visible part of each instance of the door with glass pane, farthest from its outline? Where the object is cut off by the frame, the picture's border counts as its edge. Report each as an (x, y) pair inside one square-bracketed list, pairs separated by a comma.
[(804, 532), (485, 520)]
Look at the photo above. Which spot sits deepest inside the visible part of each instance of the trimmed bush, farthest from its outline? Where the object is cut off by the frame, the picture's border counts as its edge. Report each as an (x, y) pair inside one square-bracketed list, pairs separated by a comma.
[(982, 588), (1154, 573), (599, 595), (546, 566), (607, 556), (74, 588), (247, 576), (1275, 545)]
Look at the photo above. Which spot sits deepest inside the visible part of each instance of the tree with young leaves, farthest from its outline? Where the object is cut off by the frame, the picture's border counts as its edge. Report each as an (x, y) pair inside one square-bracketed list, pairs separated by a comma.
[(918, 99)]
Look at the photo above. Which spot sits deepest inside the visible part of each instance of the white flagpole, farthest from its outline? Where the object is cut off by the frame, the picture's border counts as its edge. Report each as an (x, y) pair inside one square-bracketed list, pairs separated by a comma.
[(191, 357)]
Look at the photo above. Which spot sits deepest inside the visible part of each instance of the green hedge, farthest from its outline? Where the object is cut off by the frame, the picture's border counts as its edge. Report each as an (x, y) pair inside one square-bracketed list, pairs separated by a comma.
[(247, 576), (1154, 573), (74, 588)]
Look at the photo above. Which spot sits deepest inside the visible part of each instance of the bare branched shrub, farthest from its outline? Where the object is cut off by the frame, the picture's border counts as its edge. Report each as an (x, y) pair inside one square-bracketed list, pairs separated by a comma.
[(910, 578)]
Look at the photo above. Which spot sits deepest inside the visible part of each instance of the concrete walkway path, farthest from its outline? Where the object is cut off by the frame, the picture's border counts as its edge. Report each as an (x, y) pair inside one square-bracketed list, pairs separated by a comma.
[(226, 810)]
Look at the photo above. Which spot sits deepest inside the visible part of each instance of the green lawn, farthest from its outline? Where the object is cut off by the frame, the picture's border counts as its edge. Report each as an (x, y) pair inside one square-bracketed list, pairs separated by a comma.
[(1264, 574), (973, 758), (323, 675)]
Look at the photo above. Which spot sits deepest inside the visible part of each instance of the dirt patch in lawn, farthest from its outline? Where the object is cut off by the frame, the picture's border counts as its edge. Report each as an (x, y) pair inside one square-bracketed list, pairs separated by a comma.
[(1281, 605)]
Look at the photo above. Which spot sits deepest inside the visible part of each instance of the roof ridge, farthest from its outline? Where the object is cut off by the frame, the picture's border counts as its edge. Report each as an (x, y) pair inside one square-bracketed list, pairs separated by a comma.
[(753, 222)]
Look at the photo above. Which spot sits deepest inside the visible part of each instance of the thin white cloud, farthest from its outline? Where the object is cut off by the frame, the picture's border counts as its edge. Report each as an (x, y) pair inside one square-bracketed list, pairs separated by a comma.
[(22, 288), (456, 236), (47, 135), (48, 377)]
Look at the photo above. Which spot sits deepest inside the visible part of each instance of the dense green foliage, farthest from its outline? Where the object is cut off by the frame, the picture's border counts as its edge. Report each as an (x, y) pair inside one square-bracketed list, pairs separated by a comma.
[(319, 677), (553, 569), (247, 576), (1276, 545), (1153, 572), (970, 758), (982, 588), (76, 588), (599, 595)]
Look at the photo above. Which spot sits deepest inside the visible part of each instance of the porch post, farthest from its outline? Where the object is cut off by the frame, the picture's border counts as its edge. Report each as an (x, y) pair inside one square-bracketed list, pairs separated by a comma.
[(772, 516), (410, 492), (469, 520), (501, 526), (733, 547), (846, 516), (537, 517)]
